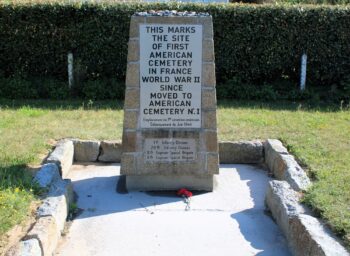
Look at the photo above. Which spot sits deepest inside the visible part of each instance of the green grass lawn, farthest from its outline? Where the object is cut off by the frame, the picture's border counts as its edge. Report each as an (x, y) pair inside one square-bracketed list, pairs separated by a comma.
[(319, 137)]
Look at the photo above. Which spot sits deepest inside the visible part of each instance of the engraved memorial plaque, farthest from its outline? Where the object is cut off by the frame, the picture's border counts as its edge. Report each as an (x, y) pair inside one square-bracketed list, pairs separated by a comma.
[(170, 75), (170, 150)]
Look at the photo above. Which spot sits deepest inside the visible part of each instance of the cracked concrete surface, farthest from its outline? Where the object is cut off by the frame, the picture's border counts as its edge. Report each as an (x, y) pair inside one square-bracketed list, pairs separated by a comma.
[(229, 221)]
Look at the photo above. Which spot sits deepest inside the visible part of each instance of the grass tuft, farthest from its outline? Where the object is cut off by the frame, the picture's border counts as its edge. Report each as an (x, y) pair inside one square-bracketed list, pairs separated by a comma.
[(14, 205)]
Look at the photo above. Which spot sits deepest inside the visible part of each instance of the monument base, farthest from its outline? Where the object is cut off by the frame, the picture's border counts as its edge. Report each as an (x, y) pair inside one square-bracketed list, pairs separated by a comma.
[(169, 182)]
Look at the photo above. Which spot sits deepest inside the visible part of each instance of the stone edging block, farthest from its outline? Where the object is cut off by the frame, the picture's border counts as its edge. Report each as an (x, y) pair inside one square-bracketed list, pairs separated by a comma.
[(241, 152), (111, 151), (30, 247), (283, 165), (311, 237), (283, 203), (56, 204), (51, 215), (45, 230), (62, 156), (305, 234), (47, 174), (86, 150), (25, 248), (43, 237)]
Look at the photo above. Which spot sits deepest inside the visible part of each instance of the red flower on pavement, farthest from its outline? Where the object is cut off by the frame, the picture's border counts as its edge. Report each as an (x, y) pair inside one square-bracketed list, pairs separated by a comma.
[(184, 192), (188, 193)]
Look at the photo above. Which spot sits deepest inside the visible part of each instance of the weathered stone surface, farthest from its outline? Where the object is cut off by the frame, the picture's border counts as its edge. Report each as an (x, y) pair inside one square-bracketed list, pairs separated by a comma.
[(29, 247), (207, 25), (273, 150), (241, 152), (45, 230), (208, 99), (295, 175), (130, 139), (213, 163), (211, 141), (284, 166), (86, 150), (13, 251), (208, 50), (175, 134), (196, 167), (130, 96), (283, 203), (130, 119), (208, 74), (62, 156), (111, 151), (308, 236), (127, 164), (134, 26), (171, 20), (133, 49), (47, 174), (169, 182), (56, 204), (209, 120), (132, 75), (275, 145), (279, 166)]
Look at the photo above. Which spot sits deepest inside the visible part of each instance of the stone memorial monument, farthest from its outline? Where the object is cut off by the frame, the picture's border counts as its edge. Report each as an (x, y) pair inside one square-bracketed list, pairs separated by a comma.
[(169, 132)]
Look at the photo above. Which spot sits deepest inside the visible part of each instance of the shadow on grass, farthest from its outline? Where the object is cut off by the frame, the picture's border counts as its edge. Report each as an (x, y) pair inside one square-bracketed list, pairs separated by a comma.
[(283, 105), (17, 193), (118, 105), (62, 104), (15, 176)]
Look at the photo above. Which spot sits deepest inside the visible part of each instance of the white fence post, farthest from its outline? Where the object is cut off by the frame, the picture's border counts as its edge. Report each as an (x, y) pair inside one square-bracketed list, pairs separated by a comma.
[(303, 72), (70, 70)]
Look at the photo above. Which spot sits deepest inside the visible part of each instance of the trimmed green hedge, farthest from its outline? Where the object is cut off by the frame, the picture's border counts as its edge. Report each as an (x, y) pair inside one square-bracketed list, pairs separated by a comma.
[(333, 2), (255, 44)]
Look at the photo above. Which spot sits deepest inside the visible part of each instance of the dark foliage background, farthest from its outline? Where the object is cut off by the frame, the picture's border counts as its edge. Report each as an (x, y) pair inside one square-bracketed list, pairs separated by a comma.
[(256, 46)]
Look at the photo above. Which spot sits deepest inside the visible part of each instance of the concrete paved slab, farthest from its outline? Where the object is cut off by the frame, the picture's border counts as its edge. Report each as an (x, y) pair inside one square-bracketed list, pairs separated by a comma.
[(228, 221)]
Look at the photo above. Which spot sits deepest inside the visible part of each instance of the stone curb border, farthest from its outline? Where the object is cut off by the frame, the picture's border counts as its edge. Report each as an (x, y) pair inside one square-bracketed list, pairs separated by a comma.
[(306, 235), (43, 237)]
